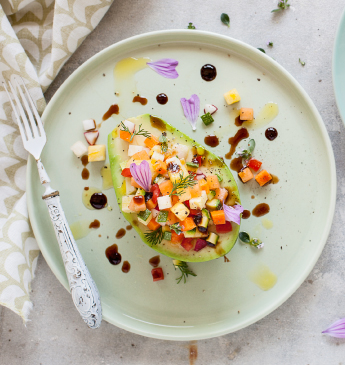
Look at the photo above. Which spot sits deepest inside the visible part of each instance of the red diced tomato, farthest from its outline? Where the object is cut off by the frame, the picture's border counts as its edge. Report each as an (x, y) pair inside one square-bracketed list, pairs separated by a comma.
[(254, 164), (197, 159), (224, 228), (187, 244), (195, 211), (186, 203), (157, 274), (155, 190), (126, 172)]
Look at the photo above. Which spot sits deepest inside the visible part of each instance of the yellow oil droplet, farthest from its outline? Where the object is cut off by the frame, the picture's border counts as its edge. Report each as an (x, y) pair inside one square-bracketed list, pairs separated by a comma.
[(80, 229), (268, 224), (87, 196), (106, 177), (263, 277), (265, 116)]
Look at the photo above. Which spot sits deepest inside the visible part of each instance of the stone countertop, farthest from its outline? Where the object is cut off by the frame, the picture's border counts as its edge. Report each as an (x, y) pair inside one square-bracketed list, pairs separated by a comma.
[(292, 333)]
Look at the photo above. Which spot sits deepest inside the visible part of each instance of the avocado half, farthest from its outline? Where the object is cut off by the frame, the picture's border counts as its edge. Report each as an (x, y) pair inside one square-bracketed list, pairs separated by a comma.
[(117, 149)]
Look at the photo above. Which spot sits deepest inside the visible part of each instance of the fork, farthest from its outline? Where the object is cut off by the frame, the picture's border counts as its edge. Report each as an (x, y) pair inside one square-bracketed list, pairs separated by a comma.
[(83, 289)]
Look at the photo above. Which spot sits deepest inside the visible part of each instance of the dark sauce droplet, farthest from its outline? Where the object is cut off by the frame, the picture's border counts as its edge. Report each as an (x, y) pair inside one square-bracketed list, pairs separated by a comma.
[(261, 209), (95, 224), (129, 227), (162, 99), (275, 179), (126, 266), (226, 259), (120, 233), (98, 200), (86, 188), (238, 121), (140, 99), (211, 140), (85, 174), (154, 261), (208, 72), (157, 123), (236, 164), (84, 160), (271, 133), (235, 140), (114, 109), (245, 214), (113, 255)]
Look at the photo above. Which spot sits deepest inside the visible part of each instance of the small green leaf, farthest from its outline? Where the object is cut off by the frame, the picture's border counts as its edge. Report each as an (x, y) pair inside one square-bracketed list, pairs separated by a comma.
[(191, 26), (251, 145), (262, 50), (220, 179), (270, 44), (244, 237), (301, 62), (225, 19), (276, 10)]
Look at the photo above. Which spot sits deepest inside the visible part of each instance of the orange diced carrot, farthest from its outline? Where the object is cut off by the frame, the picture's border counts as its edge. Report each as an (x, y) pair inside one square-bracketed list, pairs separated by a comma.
[(245, 174), (174, 199), (195, 191), (160, 167), (204, 185), (246, 114), (137, 207), (126, 136), (176, 238), (135, 184), (166, 187), (263, 177), (153, 225), (142, 155), (213, 182), (221, 194), (218, 216), (188, 224), (172, 218), (150, 204), (151, 142)]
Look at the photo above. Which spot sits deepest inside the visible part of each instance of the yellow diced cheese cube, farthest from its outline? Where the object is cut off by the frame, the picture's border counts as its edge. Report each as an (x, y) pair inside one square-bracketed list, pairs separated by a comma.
[(96, 153), (125, 203), (181, 211), (232, 97)]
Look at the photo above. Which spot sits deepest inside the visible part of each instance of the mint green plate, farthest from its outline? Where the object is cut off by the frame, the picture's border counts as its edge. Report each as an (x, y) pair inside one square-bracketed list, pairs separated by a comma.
[(222, 298)]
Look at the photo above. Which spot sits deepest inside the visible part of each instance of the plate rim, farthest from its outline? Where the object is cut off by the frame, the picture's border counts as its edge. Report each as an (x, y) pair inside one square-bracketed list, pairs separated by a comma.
[(179, 34)]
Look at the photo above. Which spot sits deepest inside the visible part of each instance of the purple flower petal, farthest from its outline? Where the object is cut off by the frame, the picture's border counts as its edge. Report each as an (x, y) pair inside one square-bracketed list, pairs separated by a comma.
[(337, 329), (232, 214), (142, 174), (166, 67), (191, 109)]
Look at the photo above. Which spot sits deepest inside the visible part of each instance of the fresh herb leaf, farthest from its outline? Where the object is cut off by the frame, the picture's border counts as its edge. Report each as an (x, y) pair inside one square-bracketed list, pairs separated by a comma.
[(282, 5), (251, 145), (192, 164), (185, 270), (191, 26), (270, 44), (164, 142), (255, 242), (207, 118), (141, 132), (154, 237), (180, 186), (244, 237), (262, 50), (301, 62), (247, 153), (176, 228), (220, 179), (225, 19)]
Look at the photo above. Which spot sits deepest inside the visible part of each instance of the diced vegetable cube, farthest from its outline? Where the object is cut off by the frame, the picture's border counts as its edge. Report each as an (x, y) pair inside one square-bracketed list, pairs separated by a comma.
[(188, 224), (185, 195), (151, 142), (187, 244), (160, 167), (79, 149), (166, 187), (176, 238), (150, 204), (224, 228), (204, 185), (145, 216), (254, 164), (232, 97), (143, 155), (181, 150), (221, 194), (130, 189), (218, 217), (89, 124), (126, 200), (172, 219), (157, 156), (164, 202), (157, 274), (213, 182), (162, 216), (263, 177), (153, 225), (246, 114), (96, 153), (126, 136), (167, 236), (134, 206), (199, 202), (134, 149), (181, 211), (245, 175), (207, 118), (129, 125), (195, 191), (200, 244)]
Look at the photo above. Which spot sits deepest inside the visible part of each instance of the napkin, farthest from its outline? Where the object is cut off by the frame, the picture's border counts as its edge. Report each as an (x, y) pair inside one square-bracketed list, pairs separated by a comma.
[(36, 38)]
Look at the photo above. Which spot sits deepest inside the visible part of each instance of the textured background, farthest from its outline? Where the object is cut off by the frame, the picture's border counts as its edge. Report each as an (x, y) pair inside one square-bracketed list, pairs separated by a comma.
[(292, 333)]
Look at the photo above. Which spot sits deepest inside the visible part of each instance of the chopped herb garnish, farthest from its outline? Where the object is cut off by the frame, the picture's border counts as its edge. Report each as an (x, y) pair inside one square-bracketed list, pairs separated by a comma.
[(270, 44), (245, 238), (301, 62), (192, 164), (225, 19), (247, 153), (141, 132), (191, 26), (164, 142), (207, 118), (282, 5), (262, 50), (185, 271), (176, 228), (185, 182), (154, 237), (220, 179)]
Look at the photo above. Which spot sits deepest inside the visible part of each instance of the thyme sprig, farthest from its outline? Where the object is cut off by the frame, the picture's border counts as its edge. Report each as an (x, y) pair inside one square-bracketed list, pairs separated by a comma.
[(164, 142), (141, 132), (180, 186), (282, 5), (255, 242), (176, 228), (154, 237), (191, 26), (185, 270)]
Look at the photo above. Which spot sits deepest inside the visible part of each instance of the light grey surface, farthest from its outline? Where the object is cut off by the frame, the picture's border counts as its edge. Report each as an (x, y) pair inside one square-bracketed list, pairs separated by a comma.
[(292, 333)]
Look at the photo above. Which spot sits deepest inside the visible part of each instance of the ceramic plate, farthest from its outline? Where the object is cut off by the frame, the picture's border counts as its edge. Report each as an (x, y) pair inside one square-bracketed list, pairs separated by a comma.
[(339, 67), (223, 297)]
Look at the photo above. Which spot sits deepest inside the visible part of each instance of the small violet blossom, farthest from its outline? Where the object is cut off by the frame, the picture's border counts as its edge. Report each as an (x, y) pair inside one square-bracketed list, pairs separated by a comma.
[(142, 174), (166, 67), (337, 329), (232, 214), (191, 108)]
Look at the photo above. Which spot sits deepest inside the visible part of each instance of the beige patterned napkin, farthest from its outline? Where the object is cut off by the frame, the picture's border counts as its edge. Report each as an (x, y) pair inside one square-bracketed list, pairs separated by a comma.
[(36, 38)]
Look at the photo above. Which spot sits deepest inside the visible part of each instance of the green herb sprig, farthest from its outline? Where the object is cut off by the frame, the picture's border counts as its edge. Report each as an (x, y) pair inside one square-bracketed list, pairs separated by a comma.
[(245, 238), (141, 132), (282, 5), (164, 142), (184, 183), (185, 270), (191, 26), (154, 237), (225, 19), (176, 228), (247, 153), (301, 62)]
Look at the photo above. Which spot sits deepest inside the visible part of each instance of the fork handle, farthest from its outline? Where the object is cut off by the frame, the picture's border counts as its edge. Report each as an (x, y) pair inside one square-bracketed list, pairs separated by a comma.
[(84, 291)]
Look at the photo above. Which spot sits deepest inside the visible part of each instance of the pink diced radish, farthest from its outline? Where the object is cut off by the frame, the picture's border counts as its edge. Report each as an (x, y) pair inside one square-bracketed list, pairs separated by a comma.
[(91, 137), (200, 244), (210, 108)]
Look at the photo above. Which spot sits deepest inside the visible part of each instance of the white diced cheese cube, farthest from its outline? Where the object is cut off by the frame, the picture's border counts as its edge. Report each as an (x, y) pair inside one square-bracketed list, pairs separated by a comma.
[(89, 124), (96, 153), (199, 202), (185, 196), (181, 150), (130, 189), (79, 149), (154, 149), (154, 212), (133, 149), (145, 222), (126, 200), (157, 156), (173, 160), (180, 210), (164, 202), (129, 125)]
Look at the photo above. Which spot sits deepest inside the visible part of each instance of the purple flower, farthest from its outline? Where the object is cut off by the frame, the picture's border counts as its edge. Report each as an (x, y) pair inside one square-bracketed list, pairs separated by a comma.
[(337, 329), (142, 174), (166, 67), (191, 109), (232, 214)]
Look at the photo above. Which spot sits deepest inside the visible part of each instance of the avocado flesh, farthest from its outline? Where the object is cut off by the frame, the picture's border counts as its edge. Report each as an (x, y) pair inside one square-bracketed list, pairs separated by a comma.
[(117, 150)]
